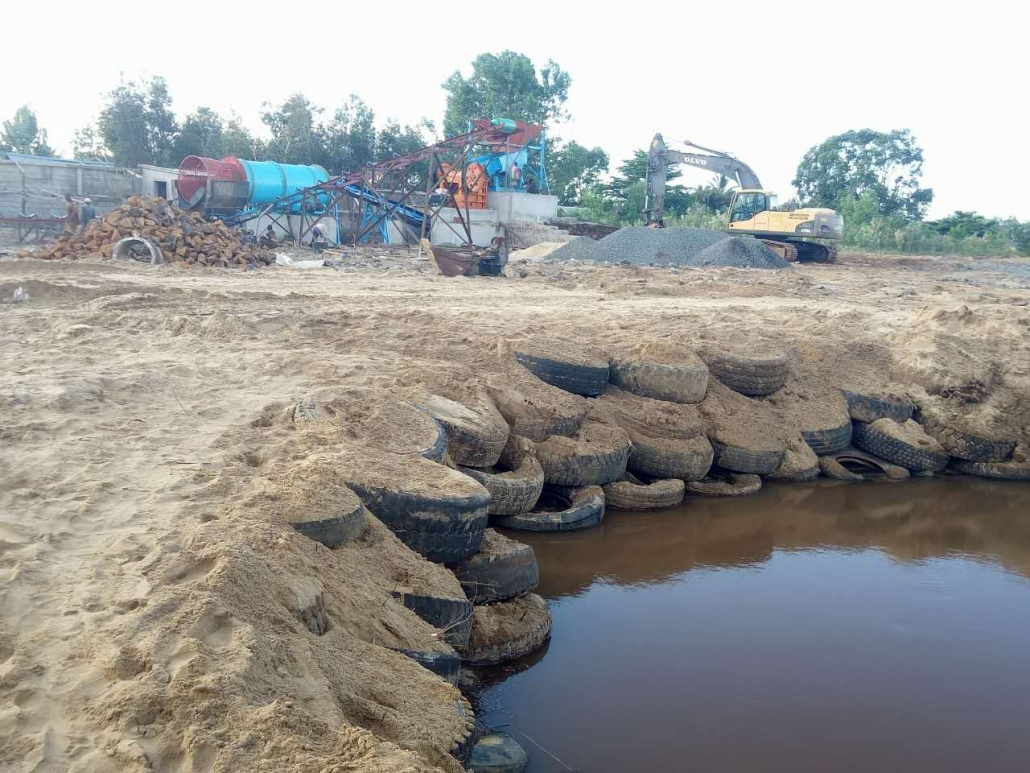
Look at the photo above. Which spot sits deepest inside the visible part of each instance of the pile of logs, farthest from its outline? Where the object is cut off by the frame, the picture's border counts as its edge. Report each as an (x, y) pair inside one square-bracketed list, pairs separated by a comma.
[(185, 238)]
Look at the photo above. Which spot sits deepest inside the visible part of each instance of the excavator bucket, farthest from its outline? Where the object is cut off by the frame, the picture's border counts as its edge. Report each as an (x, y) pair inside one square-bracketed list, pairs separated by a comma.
[(448, 262)]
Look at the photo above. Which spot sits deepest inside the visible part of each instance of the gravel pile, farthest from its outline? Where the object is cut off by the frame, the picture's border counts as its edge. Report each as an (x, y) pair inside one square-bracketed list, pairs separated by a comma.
[(689, 247), (739, 252)]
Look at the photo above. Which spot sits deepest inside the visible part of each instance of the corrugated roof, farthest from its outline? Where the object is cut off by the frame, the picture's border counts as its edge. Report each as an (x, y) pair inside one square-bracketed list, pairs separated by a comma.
[(24, 158)]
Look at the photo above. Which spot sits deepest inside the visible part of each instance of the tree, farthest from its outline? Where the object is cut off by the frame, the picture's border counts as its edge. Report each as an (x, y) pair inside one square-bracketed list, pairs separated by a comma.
[(963, 224), (505, 85), (887, 165), (349, 140), (573, 168), (22, 134), (626, 191), (295, 139), (238, 141), (201, 135), (88, 145), (137, 124)]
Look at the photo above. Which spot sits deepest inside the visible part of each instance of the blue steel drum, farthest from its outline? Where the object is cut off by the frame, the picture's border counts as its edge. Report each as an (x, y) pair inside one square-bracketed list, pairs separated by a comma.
[(268, 180)]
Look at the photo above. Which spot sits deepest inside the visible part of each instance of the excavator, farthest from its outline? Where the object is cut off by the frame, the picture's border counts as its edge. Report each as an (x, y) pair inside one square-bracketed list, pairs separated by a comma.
[(753, 210)]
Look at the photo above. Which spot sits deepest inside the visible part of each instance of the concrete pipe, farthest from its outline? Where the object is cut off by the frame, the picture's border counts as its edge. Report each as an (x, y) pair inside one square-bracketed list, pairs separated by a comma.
[(139, 249)]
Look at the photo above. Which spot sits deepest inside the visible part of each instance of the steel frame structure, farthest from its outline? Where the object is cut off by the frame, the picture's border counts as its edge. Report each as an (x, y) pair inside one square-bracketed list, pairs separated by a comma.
[(401, 177)]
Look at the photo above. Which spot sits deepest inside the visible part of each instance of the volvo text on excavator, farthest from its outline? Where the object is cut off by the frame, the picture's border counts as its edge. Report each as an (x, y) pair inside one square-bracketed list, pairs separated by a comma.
[(753, 210)]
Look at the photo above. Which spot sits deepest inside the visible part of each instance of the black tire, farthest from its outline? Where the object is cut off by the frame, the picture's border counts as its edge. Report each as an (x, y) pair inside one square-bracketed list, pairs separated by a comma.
[(751, 377), (443, 519), (598, 456), (336, 530), (965, 445), (579, 508), (535, 410), (861, 463), (446, 664), (868, 409), (502, 569), (526, 626), (996, 470), (452, 616), (476, 433), (829, 441), (672, 383), (437, 450), (747, 461), (517, 489), (498, 753), (588, 379), (633, 494), (726, 485), (461, 749), (666, 458), (898, 451)]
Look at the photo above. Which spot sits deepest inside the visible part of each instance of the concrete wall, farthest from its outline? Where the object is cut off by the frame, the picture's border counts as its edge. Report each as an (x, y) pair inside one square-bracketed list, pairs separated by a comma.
[(484, 224), (158, 178), (40, 188), (523, 206)]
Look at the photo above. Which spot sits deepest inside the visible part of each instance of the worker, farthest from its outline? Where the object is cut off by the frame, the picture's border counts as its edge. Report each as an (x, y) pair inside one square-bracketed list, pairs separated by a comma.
[(268, 238), (318, 237), (71, 217), (87, 213), (515, 176)]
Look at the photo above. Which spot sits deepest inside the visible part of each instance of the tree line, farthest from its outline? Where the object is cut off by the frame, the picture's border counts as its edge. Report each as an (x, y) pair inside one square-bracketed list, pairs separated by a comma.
[(872, 178)]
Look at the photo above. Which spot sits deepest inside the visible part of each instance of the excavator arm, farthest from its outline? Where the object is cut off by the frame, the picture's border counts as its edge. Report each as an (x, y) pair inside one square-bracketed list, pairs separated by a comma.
[(660, 156)]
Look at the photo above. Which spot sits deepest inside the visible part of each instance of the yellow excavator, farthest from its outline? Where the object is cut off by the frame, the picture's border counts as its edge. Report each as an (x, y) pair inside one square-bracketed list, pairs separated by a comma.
[(753, 210)]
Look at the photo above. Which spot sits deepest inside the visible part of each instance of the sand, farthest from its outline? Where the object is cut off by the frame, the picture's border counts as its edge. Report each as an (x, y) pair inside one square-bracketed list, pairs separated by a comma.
[(910, 432), (642, 415), (132, 396)]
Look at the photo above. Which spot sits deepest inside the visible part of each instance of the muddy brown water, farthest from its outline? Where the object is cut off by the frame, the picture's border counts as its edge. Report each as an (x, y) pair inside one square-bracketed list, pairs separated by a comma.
[(813, 627)]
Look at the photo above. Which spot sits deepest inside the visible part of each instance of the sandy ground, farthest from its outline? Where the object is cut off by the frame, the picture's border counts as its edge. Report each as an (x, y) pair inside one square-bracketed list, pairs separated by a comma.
[(127, 394)]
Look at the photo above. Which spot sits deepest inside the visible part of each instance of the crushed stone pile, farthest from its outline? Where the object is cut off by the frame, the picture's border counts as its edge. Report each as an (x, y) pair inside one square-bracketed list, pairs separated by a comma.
[(739, 252), (185, 238), (688, 247)]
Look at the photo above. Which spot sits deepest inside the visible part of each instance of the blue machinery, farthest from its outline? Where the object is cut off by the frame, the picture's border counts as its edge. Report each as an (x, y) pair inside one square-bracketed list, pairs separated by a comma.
[(399, 188)]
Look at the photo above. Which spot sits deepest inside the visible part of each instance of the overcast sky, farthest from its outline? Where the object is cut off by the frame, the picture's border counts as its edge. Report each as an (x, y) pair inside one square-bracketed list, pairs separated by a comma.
[(764, 80)]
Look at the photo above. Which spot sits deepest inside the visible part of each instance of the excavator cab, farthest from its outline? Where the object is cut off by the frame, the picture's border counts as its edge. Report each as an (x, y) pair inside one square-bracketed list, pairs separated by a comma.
[(745, 204)]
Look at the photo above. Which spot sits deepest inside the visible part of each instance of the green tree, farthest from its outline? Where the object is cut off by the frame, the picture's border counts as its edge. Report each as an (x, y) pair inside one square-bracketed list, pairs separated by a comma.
[(714, 196), (137, 124), (963, 224), (349, 140), (296, 138), (89, 145), (505, 85), (201, 135), (573, 168), (22, 134), (626, 191), (238, 141), (889, 165)]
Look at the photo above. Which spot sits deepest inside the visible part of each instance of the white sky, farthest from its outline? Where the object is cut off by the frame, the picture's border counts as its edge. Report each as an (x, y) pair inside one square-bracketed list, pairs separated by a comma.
[(764, 80)]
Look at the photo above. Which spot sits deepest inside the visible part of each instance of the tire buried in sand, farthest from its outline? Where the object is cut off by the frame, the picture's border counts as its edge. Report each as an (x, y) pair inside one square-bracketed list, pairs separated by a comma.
[(880, 440), (747, 461), (630, 493), (516, 489), (319, 504), (502, 569), (829, 441), (996, 470), (580, 373), (965, 445), (435, 511), (507, 630), (498, 753), (535, 410), (799, 464), (672, 383), (726, 485), (867, 409), (383, 423), (446, 665), (476, 433), (560, 509), (597, 455), (452, 616), (751, 377), (660, 457)]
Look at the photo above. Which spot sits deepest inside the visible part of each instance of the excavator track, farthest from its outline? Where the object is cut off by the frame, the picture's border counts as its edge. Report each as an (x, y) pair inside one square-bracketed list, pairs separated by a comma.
[(810, 252), (785, 250)]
